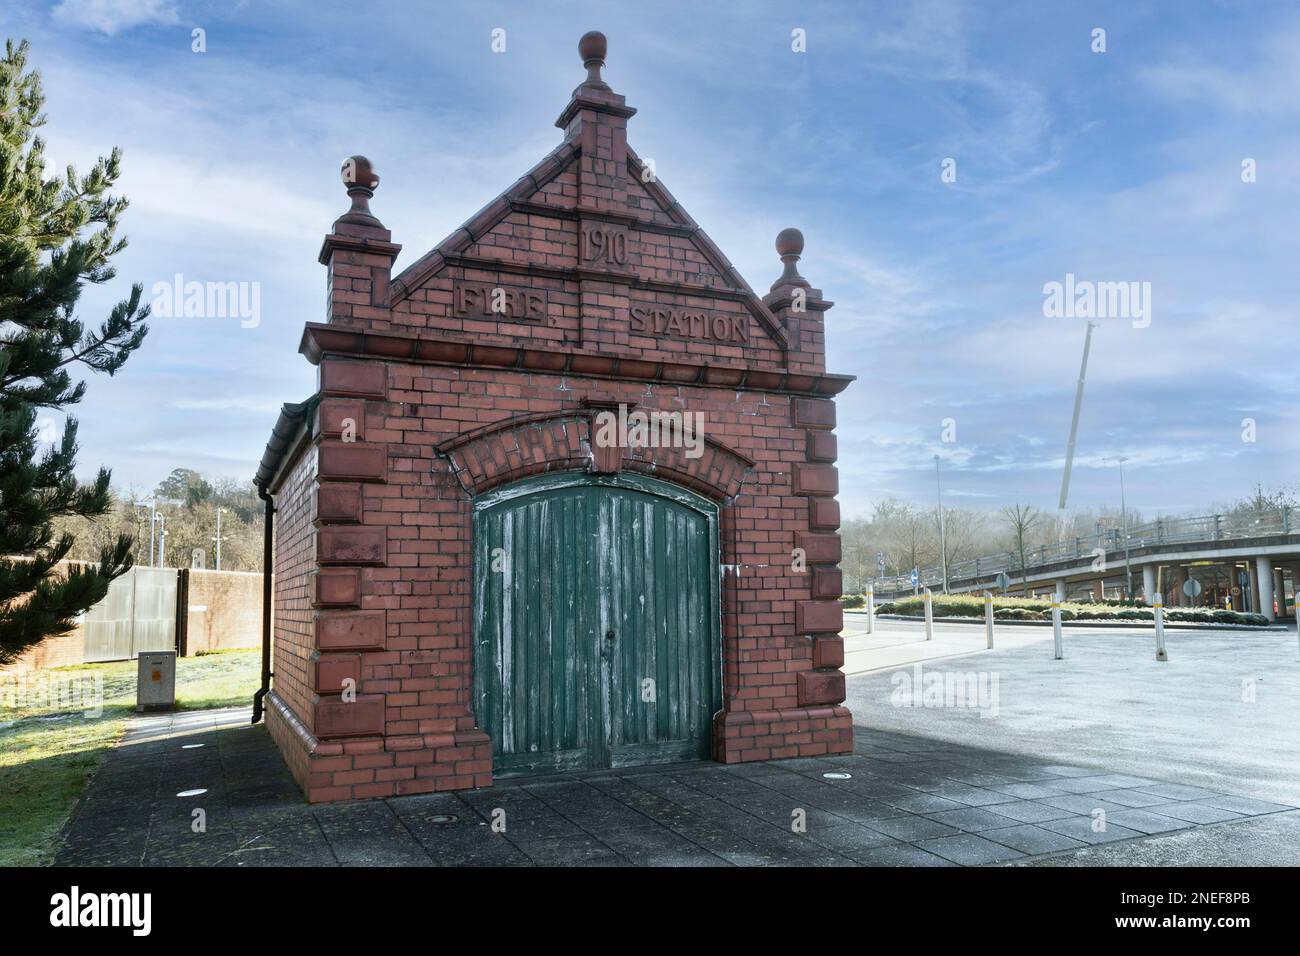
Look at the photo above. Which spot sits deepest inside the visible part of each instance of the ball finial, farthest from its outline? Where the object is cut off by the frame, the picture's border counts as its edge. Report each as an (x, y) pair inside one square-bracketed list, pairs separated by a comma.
[(358, 172), (592, 46), (592, 50), (789, 242), (359, 179), (789, 246)]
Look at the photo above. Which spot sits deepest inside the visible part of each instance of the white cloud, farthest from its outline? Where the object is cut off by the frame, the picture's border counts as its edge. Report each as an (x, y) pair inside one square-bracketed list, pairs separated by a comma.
[(1269, 84), (204, 196), (111, 17), (266, 405)]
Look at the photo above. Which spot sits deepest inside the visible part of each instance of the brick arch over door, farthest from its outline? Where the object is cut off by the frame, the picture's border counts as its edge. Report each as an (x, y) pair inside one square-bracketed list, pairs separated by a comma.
[(528, 445)]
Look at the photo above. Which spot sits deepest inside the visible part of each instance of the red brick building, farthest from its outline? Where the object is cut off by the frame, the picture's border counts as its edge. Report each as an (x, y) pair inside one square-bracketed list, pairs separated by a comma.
[(473, 573)]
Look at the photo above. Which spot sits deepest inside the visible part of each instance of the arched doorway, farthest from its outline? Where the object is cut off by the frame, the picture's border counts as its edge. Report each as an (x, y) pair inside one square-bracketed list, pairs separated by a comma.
[(596, 622)]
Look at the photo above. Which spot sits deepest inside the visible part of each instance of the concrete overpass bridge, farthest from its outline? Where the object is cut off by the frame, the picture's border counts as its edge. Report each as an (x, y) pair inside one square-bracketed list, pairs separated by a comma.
[(1248, 562)]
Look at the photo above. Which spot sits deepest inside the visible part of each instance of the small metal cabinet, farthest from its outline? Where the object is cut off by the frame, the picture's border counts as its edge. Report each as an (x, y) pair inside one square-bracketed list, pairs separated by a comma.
[(156, 681)]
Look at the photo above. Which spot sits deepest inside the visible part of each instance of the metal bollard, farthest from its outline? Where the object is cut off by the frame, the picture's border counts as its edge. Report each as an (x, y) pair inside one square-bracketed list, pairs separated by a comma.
[(929, 615), (871, 609), (988, 618), (1056, 629), (1157, 605)]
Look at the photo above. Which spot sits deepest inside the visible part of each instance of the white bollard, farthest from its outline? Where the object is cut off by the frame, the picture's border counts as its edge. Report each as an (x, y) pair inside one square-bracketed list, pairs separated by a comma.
[(929, 615), (1157, 605), (871, 609), (988, 618), (1056, 629)]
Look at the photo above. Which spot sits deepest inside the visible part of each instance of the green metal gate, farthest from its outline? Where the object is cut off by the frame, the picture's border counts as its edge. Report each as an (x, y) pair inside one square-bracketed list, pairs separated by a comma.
[(596, 622)]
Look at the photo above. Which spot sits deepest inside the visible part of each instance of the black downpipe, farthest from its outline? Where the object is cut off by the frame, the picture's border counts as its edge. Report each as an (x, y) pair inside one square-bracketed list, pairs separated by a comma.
[(267, 558)]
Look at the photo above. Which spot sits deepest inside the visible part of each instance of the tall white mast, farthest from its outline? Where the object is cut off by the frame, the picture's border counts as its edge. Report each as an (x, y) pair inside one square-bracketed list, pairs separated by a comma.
[(1074, 424)]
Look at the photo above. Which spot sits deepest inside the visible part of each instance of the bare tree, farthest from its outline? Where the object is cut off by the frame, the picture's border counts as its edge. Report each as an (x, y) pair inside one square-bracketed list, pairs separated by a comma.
[(859, 538), (1022, 519), (964, 534), (907, 536)]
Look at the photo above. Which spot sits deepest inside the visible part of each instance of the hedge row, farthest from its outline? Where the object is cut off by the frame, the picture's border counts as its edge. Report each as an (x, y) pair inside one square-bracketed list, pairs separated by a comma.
[(1023, 609)]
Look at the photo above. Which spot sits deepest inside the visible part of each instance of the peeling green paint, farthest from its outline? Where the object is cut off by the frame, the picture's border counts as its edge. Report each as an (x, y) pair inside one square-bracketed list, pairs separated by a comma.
[(596, 639)]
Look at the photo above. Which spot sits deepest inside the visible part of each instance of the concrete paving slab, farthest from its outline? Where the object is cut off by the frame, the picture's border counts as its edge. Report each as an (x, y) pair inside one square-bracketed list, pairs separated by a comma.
[(1269, 840), (1194, 812), (1133, 798), (1145, 821), (1030, 811), (1083, 829), (967, 849), (901, 854), (1031, 840), (970, 819)]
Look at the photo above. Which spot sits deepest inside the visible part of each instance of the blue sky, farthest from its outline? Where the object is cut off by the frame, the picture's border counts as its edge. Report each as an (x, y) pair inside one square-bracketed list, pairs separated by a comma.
[(1117, 166)]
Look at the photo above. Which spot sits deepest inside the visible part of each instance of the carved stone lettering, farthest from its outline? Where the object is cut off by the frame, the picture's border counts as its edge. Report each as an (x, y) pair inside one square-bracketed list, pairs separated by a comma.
[(689, 324), (489, 301)]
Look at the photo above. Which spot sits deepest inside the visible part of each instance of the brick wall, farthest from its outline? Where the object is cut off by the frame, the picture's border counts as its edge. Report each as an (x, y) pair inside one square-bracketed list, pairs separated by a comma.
[(225, 610), (60, 650), (293, 637)]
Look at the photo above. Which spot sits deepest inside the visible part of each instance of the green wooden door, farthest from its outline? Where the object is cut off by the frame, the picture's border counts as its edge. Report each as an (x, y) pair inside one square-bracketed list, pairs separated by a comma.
[(596, 638)]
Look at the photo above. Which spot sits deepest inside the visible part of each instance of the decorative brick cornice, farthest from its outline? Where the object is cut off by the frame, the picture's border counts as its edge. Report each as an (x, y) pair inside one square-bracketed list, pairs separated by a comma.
[(335, 243), (603, 105), (778, 303), (320, 339), (633, 280)]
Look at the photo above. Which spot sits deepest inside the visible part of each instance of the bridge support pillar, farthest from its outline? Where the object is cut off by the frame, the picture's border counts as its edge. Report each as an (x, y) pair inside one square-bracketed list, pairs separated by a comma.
[(1234, 581), (1264, 572), (1256, 602), (1180, 578), (1099, 589), (1148, 582)]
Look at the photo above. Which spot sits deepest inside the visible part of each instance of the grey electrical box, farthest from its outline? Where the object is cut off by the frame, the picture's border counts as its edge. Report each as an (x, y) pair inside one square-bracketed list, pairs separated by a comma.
[(156, 681)]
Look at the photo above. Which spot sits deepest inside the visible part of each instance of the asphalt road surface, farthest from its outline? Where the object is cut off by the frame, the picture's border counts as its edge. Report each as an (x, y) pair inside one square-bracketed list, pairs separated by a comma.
[(1220, 713)]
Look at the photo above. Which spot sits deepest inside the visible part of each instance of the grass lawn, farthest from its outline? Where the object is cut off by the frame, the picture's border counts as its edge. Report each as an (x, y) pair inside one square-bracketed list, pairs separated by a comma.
[(49, 748)]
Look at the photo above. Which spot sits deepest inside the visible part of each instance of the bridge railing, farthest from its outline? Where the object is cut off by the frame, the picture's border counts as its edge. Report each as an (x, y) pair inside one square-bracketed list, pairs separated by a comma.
[(1216, 527)]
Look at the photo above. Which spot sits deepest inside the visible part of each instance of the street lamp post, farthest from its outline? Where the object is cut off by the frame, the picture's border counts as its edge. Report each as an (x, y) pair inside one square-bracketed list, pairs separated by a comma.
[(1123, 517), (157, 525), (943, 537), (152, 505), (219, 510), (162, 541)]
